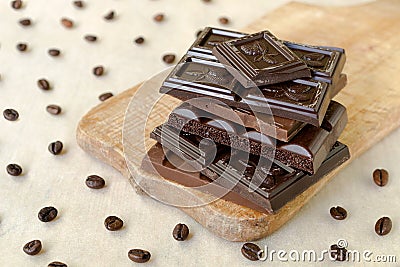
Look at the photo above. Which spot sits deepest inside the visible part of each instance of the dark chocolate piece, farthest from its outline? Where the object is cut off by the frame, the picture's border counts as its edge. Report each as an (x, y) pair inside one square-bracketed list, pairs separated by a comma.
[(276, 188), (301, 100), (326, 63), (261, 58), (305, 151)]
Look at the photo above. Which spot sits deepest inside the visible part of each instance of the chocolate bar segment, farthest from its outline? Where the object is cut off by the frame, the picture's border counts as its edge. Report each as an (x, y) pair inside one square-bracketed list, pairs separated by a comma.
[(326, 63), (262, 59), (300, 100), (305, 151), (276, 189), (208, 39)]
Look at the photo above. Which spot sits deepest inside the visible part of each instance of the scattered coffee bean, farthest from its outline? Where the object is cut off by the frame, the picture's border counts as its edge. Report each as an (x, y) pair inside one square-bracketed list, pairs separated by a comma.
[(79, 4), (383, 226), (169, 58), (110, 15), (181, 232), (338, 253), (47, 214), (56, 147), (113, 223), (11, 114), (14, 169), (17, 4), (381, 177), (22, 47), (223, 20), (251, 251), (43, 84), (98, 71), (25, 22), (95, 182), (338, 213), (90, 38), (67, 23), (159, 17), (206, 1), (54, 52), (139, 255), (53, 109), (33, 247), (105, 96), (56, 264), (198, 33), (139, 40)]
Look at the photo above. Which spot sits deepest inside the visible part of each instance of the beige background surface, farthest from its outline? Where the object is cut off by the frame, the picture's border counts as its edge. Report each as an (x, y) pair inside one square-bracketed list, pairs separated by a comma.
[(78, 236)]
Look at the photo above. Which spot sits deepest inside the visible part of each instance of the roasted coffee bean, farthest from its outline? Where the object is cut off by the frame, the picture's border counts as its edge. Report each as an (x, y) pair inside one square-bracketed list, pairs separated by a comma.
[(169, 58), (54, 52), (139, 40), (113, 223), (17, 4), (251, 251), (14, 169), (338, 213), (383, 226), (11, 114), (25, 22), (79, 4), (223, 20), (53, 109), (33, 247), (56, 264), (159, 17), (206, 1), (47, 214), (198, 33), (90, 38), (139, 255), (338, 253), (110, 15), (105, 96), (181, 232), (43, 84), (381, 177), (22, 47), (67, 23), (98, 71), (56, 147), (95, 182)]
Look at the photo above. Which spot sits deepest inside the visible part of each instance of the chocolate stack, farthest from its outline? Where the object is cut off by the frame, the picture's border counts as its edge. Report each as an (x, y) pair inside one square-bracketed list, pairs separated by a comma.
[(258, 118)]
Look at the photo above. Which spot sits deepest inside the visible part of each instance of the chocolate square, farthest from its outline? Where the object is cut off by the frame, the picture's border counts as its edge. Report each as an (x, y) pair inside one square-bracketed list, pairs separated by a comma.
[(262, 59)]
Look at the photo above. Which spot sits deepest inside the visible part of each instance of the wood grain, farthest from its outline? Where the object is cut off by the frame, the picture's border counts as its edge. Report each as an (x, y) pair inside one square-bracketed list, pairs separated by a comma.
[(372, 97)]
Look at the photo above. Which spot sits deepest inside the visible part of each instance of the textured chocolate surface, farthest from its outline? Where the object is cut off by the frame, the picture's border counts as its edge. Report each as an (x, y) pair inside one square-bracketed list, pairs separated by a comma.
[(277, 186), (305, 151), (301, 100), (325, 63), (261, 58)]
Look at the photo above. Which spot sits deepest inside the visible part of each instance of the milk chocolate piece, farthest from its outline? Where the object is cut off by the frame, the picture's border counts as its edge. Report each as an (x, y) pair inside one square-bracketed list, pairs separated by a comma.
[(305, 151), (276, 188), (282, 129), (301, 100), (262, 59), (277, 127)]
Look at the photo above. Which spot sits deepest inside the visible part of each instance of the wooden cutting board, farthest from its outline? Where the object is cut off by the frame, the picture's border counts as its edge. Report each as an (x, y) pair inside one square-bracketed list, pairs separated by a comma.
[(370, 35)]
